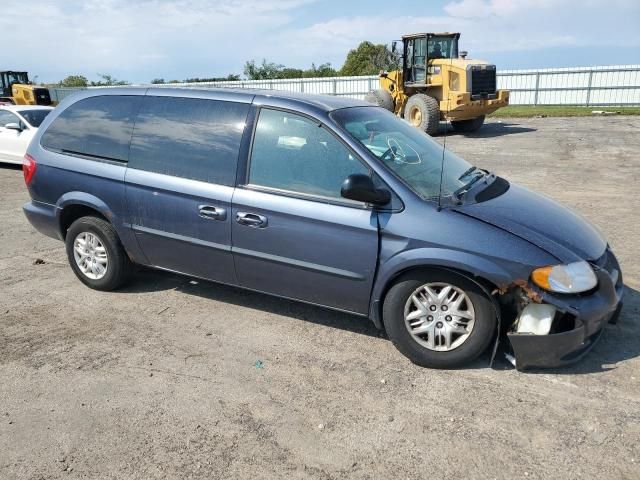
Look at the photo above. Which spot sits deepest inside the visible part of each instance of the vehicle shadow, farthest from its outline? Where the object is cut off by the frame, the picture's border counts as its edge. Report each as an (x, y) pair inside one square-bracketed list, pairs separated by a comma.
[(148, 280), (489, 130), (619, 342), (10, 166)]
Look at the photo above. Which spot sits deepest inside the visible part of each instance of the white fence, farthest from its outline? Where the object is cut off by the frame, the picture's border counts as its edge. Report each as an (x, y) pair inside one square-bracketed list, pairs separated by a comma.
[(587, 86)]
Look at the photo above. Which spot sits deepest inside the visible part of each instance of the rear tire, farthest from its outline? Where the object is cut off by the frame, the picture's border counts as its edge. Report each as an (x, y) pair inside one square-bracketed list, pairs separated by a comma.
[(430, 348), (423, 112), (380, 97), (96, 255), (468, 126)]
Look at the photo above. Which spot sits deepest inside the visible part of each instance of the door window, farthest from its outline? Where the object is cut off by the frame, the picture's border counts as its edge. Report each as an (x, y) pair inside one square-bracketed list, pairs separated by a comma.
[(189, 138), (35, 117), (293, 153), (7, 117), (96, 126)]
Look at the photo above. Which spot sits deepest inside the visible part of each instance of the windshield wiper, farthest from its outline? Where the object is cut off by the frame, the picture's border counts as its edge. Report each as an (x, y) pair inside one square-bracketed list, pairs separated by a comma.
[(467, 172), (465, 188)]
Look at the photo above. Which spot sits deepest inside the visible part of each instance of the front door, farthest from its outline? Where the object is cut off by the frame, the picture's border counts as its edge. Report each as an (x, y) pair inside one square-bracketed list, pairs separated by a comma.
[(293, 234), (13, 144), (179, 183), (415, 61)]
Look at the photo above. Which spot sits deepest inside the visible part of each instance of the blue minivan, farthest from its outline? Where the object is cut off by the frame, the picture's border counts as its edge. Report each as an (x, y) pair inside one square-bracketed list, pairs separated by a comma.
[(325, 200)]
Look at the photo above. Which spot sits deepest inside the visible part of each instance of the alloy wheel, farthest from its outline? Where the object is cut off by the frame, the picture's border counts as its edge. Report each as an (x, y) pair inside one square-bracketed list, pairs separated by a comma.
[(439, 316), (90, 255)]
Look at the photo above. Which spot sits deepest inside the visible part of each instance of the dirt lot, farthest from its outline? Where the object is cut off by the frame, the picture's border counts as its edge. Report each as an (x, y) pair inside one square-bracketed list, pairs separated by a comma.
[(161, 380)]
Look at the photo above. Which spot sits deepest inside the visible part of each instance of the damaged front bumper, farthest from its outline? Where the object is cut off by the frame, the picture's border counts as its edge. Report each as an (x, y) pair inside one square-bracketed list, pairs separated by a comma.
[(578, 323)]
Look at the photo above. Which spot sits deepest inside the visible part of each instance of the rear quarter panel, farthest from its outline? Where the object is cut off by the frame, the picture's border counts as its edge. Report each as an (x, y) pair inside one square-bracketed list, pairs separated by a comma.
[(62, 180)]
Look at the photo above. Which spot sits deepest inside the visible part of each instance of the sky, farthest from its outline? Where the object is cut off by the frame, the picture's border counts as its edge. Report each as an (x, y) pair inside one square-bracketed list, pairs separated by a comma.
[(139, 40)]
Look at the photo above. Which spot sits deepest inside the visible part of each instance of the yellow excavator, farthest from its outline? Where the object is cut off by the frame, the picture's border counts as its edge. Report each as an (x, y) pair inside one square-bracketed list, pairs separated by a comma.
[(436, 82), (15, 88)]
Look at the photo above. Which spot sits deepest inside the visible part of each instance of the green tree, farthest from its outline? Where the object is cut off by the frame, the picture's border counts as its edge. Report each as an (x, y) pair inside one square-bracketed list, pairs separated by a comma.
[(270, 71), (74, 81), (158, 81), (232, 77), (264, 71), (107, 81), (289, 72), (323, 70), (368, 59)]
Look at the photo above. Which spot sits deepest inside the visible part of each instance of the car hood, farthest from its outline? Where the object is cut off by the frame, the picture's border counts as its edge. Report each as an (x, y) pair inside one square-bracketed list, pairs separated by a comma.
[(542, 222)]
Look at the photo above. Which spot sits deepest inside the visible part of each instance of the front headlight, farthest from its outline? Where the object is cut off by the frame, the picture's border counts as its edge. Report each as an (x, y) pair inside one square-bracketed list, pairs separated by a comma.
[(572, 278)]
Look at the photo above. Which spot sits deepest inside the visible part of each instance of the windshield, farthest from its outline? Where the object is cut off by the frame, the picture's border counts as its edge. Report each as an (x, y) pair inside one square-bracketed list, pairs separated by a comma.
[(17, 77), (442, 47), (411, 154), (34, 117)]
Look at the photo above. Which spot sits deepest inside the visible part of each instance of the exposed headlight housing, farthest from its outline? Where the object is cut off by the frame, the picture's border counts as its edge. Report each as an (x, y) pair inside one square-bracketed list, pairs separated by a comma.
[(572, 278)]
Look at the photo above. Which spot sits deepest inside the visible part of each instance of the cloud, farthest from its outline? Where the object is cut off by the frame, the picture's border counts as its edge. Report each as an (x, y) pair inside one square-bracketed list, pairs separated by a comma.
[(121, 37), (487, 27), (498, 8), (143, 39)]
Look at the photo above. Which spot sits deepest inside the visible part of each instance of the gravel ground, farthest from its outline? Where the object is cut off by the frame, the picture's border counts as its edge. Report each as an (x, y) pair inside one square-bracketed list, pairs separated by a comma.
[(173, 378)]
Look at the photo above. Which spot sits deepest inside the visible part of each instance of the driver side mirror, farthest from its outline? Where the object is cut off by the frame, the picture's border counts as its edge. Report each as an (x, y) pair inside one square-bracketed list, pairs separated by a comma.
[(360, 187), (13, 126), (394, 46)]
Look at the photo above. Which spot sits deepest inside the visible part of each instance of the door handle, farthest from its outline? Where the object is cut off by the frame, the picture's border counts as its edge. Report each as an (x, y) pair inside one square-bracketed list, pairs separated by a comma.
[(212, 213), (251, 219)]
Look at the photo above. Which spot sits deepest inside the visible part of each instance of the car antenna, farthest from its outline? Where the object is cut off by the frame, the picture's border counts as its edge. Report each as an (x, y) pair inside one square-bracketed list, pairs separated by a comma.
[(446, 128)]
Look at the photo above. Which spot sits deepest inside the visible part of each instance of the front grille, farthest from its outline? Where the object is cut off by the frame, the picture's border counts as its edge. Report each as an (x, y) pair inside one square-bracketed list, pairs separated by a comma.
[(42, 96), (483, 81)]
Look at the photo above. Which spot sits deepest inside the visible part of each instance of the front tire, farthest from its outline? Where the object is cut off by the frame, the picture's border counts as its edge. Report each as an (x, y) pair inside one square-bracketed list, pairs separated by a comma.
[(423, 112), (439, 319), (96, 255), (468, 126), (380, 97)]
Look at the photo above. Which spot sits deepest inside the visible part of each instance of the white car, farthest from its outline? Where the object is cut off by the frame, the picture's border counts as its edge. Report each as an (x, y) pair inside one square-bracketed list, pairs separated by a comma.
[(18, 125)]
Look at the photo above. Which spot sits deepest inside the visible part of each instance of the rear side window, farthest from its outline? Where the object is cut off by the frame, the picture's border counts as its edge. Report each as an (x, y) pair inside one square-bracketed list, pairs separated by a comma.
[(98, 127), (191, 138)]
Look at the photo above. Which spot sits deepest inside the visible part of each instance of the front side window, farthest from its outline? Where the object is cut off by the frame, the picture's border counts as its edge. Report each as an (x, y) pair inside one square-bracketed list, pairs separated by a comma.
[(411, 154), (34, 117), (190, 138), (7, 117), (98, 127), (295, 154)]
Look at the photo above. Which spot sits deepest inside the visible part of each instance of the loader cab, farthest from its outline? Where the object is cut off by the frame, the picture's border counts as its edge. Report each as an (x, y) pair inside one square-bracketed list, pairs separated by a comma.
[(8, 78), (16, 88), (420, 49)]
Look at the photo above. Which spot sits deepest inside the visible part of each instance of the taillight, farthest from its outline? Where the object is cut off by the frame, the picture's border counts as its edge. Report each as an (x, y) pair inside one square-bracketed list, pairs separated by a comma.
[(29, 166)]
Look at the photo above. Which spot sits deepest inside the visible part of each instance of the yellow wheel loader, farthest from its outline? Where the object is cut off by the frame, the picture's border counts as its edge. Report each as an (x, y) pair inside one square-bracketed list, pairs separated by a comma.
[(15, 88), (435, 83)]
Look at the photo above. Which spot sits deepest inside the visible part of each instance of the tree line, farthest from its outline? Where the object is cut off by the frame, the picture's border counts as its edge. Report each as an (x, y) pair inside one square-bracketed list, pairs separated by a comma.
[(366, 59)]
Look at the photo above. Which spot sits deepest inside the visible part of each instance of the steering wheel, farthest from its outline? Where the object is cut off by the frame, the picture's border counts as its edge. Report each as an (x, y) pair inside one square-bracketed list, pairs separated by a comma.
[(389, 155)]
